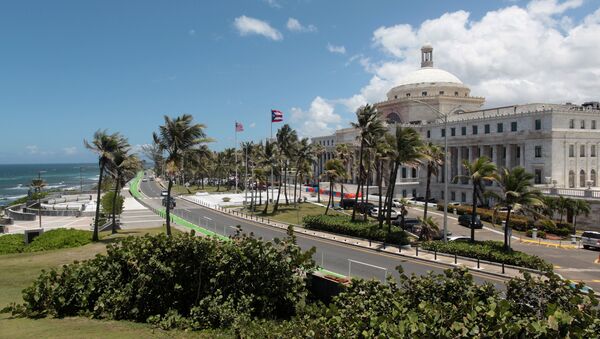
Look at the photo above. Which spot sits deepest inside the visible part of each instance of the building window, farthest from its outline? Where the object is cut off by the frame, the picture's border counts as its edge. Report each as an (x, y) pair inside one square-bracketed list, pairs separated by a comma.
[(453, 131), (395, 97), (537, 176), (593, 177), (428, 134), (593, 151), (414, 192), (571, 179), (414, 172), (452, 195), (571, 151), (500, 127), (582, 124), (424, 93), (442, 194), (513, 126), (486, 128), (463, 197), (455, 94), (538, 151), (538, 124), (407, 94), (443, 132), (582, 178), (463, 130), (403, 172), (474, 129), (441, 92), (593, 124), (404, 193), (582, 151), (572, 123)]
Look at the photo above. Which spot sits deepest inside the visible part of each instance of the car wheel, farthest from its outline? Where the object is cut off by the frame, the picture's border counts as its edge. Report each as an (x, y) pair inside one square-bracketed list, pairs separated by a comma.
[(585, 247)]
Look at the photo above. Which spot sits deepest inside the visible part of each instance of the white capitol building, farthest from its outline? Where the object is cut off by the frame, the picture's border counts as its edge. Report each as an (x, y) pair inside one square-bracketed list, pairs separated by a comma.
[(558, 143)]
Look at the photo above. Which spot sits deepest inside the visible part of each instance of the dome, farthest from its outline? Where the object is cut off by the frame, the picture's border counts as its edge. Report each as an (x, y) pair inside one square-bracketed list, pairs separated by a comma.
[(429, 75)]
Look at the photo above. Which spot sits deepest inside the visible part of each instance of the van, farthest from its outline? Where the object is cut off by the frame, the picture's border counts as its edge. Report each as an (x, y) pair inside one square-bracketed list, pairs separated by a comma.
[(347, 203), (590, 239)]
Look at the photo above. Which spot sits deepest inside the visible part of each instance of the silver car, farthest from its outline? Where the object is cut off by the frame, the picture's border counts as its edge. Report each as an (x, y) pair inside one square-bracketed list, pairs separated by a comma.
[(590, 239)]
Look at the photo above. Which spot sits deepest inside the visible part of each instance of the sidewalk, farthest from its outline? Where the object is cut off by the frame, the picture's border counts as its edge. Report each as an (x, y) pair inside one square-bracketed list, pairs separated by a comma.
[(446, 260)]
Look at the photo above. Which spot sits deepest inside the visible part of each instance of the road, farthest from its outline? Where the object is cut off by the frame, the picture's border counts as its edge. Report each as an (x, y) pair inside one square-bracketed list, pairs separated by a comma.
[(331, 255)]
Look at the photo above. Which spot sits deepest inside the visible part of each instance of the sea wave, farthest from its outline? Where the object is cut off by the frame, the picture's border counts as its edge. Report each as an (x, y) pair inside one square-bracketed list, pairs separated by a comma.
[(18, 187)]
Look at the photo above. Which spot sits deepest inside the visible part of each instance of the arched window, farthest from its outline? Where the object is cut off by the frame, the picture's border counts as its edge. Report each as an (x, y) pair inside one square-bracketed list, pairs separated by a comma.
[(571, 179), (582, 178), (393, 118), (593, 177)]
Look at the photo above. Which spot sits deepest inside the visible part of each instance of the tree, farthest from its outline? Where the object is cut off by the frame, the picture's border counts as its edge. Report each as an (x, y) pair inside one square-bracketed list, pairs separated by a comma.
[(38, 185), (287, 139), (268, 156), (104, 145), (429, 229), (152, 151), (369, 124), (176, 137), (122, 168), (383, 152), (344, 153), (433, 158), (112, 203), (516, 193), (318, 150), (334, 171), (563, 205), (579, 207), (480, 170), (303, 154)]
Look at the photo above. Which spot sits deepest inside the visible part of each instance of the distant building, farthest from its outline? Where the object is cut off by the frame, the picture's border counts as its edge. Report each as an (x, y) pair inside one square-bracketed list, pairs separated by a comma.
[(558, 143)]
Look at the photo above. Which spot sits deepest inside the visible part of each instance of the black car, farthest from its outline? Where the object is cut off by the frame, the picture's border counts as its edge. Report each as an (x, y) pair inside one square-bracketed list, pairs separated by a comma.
[(364, 207), (465, 220), (347, 203), (171, 200), (409, 223)]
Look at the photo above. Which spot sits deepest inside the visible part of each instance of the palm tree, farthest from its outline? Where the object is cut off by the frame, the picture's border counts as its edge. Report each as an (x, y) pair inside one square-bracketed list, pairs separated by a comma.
[(407, 145), (433, 157), (579, 207), (334, 171), (318, 150), (429, 229), (516, 192), (369, 125), (344, 153), (302, 154), (123, 167), (563, 205), (480, 170), (176, 137), (287, 138), (104, 145), (38, 185), (383, 151), (267, 157)]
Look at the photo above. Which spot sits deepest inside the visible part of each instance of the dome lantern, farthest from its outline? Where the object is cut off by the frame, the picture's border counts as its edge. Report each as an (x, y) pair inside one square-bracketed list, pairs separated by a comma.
[(426, 56)]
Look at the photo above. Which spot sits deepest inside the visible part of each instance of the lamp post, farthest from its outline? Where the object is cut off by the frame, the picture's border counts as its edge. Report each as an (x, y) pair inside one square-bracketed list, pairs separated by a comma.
[(444, 116)]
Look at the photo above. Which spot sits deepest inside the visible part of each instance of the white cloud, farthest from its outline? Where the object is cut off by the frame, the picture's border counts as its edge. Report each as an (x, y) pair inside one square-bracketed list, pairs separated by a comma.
[(273, 3), (319, 119), (249, 26), (336, 49), (252, 125), (511, 55), (70, 150), (295, 26), (32, 149)]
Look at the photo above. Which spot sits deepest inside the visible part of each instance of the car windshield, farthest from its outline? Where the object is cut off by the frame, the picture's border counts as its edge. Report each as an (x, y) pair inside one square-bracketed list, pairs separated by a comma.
[(591, 235)]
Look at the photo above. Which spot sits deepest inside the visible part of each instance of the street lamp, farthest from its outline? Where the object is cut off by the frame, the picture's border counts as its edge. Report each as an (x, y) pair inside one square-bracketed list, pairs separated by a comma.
[(443, 116)]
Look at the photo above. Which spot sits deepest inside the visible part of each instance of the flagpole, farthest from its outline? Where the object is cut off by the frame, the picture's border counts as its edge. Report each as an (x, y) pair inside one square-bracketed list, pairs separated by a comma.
[(236, 163), (246, 177), (272, 182)]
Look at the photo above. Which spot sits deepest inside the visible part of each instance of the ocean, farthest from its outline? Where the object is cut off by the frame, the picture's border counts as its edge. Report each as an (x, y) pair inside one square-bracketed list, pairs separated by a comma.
[(15, 179)]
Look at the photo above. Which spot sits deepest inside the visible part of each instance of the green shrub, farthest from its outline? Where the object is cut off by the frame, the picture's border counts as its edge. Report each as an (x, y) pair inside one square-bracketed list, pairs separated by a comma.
[(540, 234), (341, 224), (12, 243), (491, 251), (107, 203), (549, 226), (50, 240), (517, 222)]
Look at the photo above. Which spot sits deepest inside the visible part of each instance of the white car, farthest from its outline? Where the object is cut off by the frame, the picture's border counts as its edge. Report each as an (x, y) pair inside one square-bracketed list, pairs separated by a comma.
[(164, 193), (374, 212), (459, 238)]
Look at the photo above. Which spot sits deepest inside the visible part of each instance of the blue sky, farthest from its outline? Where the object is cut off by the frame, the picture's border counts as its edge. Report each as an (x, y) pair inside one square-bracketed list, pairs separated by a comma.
[(69, 68)]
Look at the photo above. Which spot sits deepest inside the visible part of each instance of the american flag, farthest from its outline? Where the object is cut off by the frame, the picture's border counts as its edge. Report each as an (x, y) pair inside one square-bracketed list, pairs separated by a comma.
[(239, 127), (276, 116)]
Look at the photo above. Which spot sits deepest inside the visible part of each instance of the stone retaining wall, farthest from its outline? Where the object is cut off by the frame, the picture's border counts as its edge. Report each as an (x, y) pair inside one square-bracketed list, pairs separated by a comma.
[(18, 212)]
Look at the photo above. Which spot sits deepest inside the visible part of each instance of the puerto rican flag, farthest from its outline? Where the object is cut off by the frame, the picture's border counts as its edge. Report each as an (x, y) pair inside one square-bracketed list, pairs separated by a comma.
[(276, 116), (239, 127)]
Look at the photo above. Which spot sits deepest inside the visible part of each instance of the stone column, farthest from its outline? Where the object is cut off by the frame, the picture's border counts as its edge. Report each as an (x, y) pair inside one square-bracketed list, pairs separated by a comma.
[(508, 160), (522, 156)]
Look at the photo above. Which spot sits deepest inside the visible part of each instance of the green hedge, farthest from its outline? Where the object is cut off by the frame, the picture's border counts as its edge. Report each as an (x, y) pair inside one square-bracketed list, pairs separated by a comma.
[(50, 240), (491, 251), (517, 222), (342, 225)]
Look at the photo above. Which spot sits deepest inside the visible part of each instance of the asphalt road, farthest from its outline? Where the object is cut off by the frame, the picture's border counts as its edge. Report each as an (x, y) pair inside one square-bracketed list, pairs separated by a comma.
[(333, 256)]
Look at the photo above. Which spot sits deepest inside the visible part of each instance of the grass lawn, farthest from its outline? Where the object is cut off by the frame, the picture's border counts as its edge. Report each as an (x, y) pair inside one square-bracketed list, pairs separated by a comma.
[(291, 215), (19, 270), (179, 189)]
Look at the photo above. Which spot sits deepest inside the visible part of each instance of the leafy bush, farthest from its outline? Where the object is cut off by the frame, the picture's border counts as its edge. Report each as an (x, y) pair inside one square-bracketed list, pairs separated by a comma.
[(164, 280), (342, 225), (540, 234), (11, 243), (491, 251), (107, 203), (50, 240), (517, 222), (449, 305), (551, 227)]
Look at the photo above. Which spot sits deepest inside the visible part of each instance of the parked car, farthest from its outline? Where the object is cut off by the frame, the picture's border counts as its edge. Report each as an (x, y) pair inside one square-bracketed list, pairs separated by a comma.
[(347, 203), (374, 212), (171, 200), (465, 220), (144, 179), (459, 238), (164, 193), (590, 239), (409, 223), (364, 207)]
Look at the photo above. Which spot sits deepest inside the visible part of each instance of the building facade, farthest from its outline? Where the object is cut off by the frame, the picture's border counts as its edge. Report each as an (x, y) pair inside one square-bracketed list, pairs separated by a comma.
[(558, 143)]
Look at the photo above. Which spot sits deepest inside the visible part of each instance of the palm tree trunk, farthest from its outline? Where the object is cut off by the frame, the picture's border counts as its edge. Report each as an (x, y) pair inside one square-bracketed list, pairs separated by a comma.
[(392, 187), (380, 185), (330, 199), (295, 184), (506, 227), (427, 192), (276, 207), (168, 214), (114, 206), (359, 178), (287, 202), (95, 235), (266, 201), (474, 212), (368, 178)]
